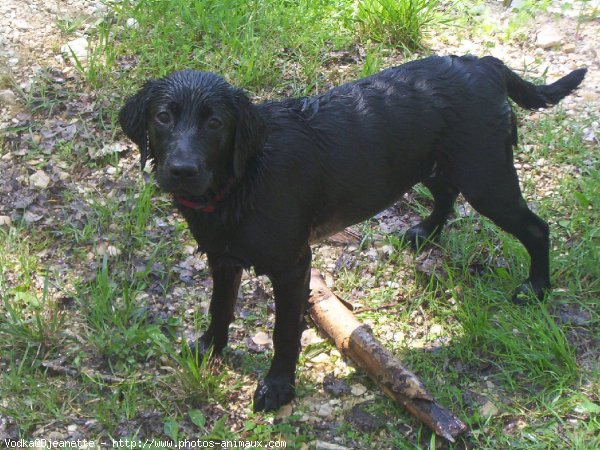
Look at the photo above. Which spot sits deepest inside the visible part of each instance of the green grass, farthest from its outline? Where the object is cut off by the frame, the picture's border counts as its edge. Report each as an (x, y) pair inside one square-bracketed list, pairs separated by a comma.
[(398, 23), (253, 43), (94, 315), (259, 45), (117, 325), (32, 321)]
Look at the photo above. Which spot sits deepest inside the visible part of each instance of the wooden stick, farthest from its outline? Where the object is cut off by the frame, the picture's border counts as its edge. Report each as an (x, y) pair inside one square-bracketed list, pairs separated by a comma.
[(355, 341)]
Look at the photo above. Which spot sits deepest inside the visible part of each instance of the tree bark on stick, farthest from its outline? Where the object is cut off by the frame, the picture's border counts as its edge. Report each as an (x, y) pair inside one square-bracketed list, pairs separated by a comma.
[(355, 341)]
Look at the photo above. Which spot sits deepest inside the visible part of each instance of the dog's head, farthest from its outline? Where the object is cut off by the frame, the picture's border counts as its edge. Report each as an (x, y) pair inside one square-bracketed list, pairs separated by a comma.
[(199, 131)]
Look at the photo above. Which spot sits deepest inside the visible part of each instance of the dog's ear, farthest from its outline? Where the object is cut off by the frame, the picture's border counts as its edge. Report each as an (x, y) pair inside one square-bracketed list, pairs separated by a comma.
[(133, 118), (250, 134)]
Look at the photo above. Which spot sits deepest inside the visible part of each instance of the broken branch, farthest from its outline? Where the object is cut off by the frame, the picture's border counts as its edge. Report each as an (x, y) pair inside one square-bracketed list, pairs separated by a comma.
[(355, 341)]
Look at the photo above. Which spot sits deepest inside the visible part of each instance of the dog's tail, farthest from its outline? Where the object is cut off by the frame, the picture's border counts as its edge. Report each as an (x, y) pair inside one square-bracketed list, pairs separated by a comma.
[(531, 96)]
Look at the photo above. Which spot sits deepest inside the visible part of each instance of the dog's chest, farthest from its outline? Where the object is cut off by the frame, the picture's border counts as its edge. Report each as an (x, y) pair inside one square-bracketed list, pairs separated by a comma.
[(219, 241)]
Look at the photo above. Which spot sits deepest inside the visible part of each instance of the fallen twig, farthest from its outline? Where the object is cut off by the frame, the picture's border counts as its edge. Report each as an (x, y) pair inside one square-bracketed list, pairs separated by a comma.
[(355, 341)]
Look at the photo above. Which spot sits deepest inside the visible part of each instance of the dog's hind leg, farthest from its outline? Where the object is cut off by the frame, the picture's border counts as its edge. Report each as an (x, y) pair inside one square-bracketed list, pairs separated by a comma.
[(444, 195), (492, 188)]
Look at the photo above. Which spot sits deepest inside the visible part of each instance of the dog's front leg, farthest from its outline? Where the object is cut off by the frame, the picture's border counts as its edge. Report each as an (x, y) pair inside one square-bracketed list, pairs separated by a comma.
[(291, 289), (226, 284)]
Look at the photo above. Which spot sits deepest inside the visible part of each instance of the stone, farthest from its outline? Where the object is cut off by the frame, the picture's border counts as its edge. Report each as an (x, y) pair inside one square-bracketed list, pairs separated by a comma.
[(77, 47), (358, 389), (284, 411), (322, 445), (108, 149), (21, 25), (488, 409), (5, 221), (325, 410), (113, 251), (30, 217), (310, 337), (55, 436), (335, 386), (321, 358), (39, 180), (261, 338), (7, 97), (589, 96), (548, 37), (436, 330), (363, 420)]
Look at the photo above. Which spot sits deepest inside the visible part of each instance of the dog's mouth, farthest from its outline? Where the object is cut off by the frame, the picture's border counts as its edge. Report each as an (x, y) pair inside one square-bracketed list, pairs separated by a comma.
[(206, 202), (197, 195), (207, 197), (198, 187)]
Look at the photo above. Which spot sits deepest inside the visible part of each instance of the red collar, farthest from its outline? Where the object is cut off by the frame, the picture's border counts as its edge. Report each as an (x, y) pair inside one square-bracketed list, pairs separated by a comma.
[(211, 206)]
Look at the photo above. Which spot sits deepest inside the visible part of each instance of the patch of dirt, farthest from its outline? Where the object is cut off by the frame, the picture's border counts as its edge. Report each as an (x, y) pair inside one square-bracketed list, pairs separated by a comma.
[(32, 32)]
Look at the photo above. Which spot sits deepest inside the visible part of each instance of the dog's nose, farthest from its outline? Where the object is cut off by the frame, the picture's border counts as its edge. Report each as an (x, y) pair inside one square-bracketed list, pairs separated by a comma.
[(183, 170)]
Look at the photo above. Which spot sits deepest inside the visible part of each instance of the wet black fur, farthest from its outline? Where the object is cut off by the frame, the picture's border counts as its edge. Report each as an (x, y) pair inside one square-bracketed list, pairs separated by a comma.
[(305, 168)]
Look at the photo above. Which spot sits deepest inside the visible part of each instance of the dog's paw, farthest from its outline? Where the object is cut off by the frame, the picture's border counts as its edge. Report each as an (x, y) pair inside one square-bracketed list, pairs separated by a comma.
[(527, 292), (202, 348), (418, 236), (272, 393)]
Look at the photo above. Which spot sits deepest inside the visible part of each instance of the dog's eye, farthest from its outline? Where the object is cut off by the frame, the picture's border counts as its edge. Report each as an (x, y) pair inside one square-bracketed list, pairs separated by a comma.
[(163, 118), (214, 123)]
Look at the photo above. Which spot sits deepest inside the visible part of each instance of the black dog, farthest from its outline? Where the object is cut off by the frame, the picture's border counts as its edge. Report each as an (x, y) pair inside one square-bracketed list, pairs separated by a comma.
[(258, 184)]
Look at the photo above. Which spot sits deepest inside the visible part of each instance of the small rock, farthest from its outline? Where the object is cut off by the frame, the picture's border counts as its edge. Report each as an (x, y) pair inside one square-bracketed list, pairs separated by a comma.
[(363, 420), (322, 445), (39, 179), (284, 411), (109, 149), (131, 23), (99, 8), (569, 48), (261, 338), (30, 217), (358, 389), (436, 330), (101, 248), (23, 202), (7, 97), (488, 409), (589, 96), (111, 250), (72, 428), (335, 386), (516, 4), (55, 436), (77, 47), (321, 358), (548, 37), (5, 221), (310, 336), (20, 24), (325, 410)]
